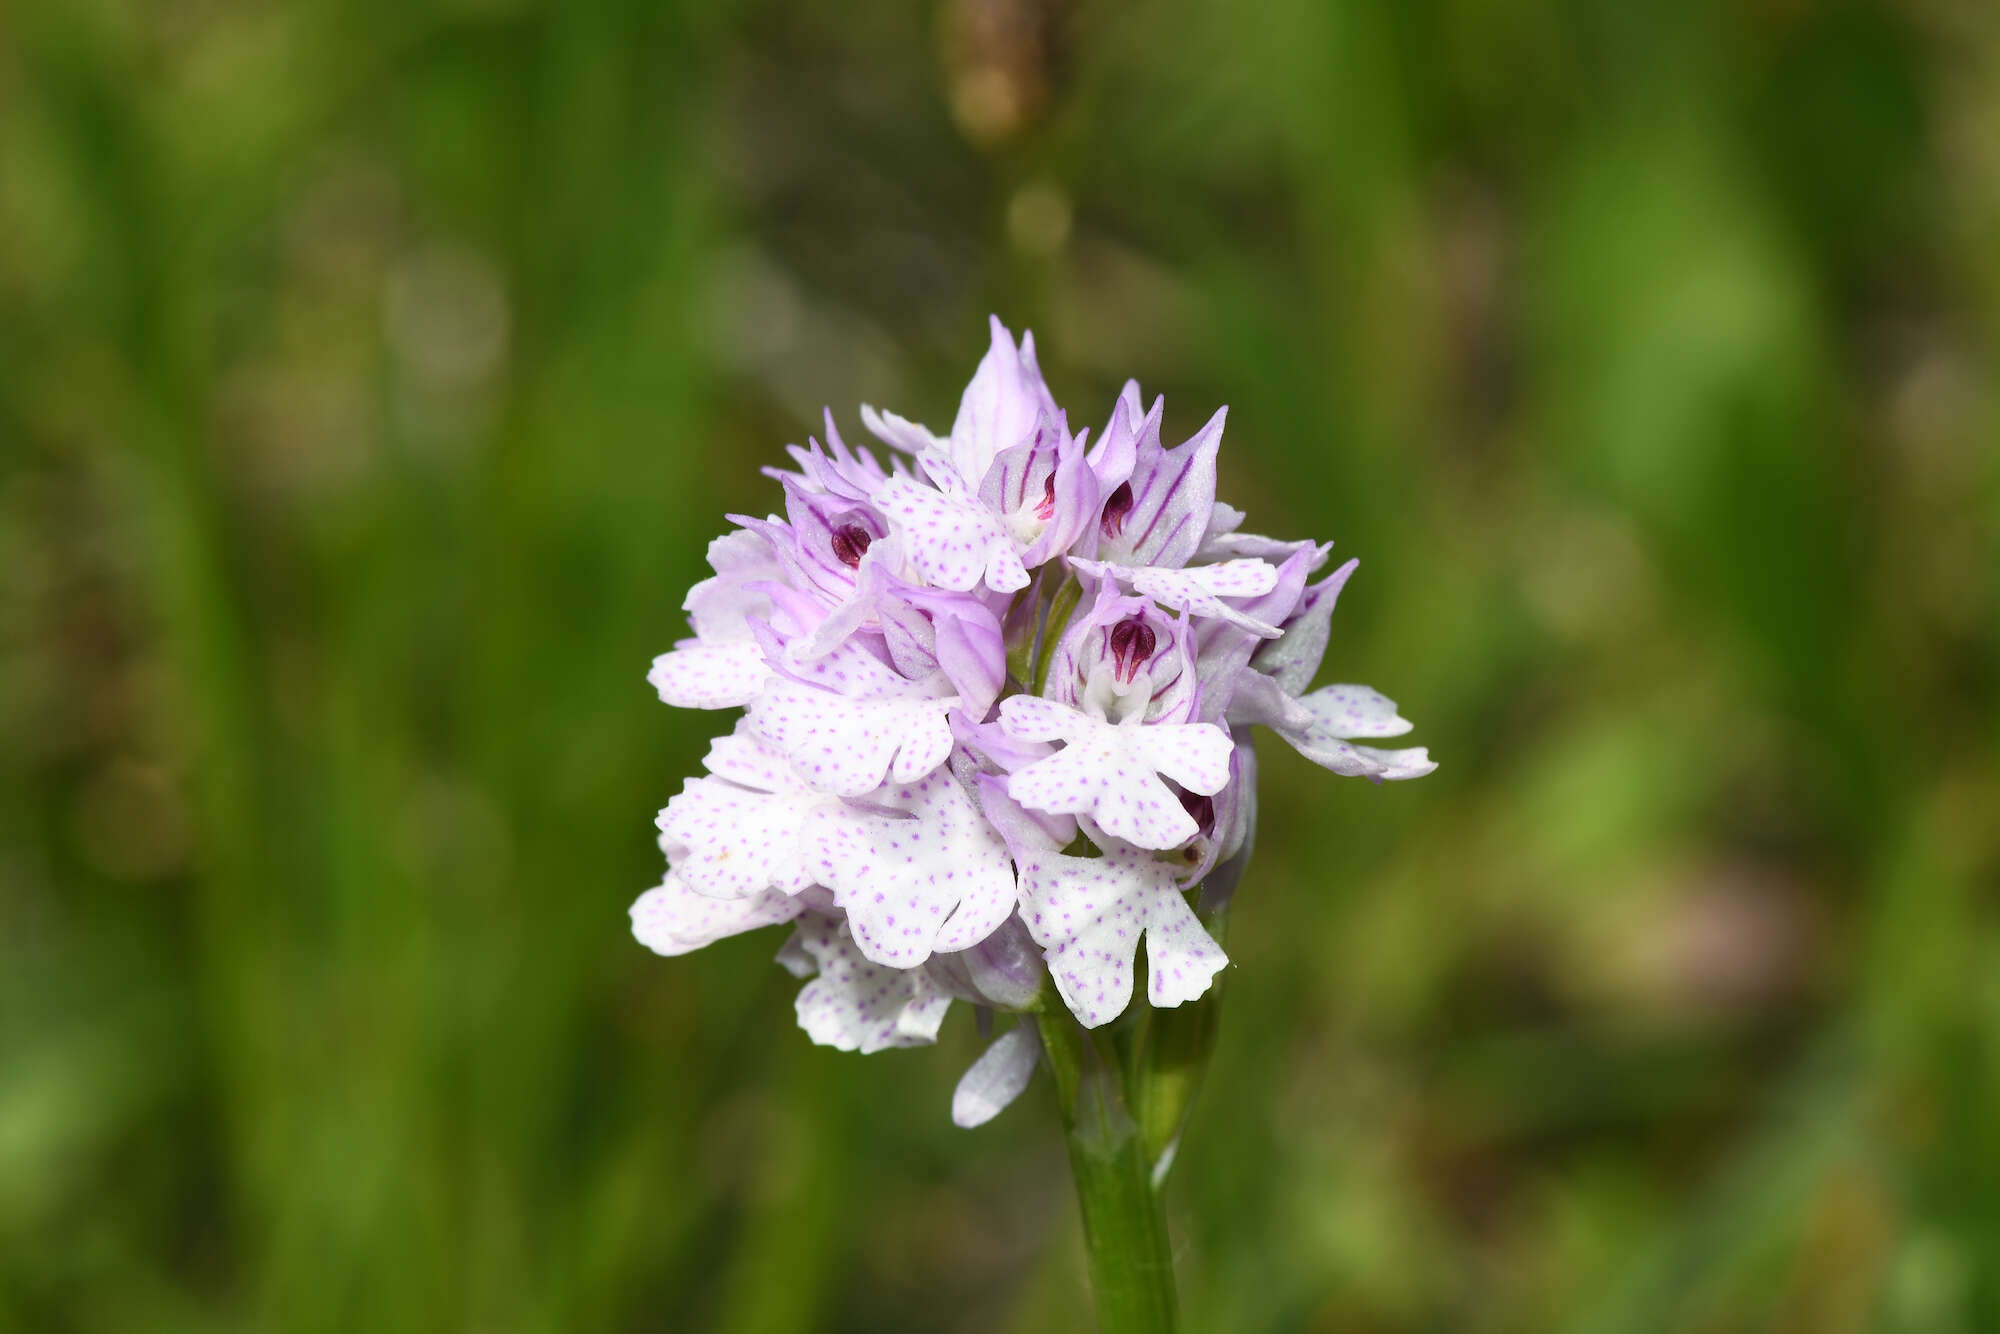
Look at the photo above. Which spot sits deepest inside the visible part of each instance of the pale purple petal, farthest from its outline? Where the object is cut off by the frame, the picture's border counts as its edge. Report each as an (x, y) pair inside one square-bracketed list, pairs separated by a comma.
[(1294, 656), (1199, 589), (1172, 498), (900, 433), (1003, 971), (997, 1077), (718, 607), (1001, 405), (1355, 711), (1340, 712)]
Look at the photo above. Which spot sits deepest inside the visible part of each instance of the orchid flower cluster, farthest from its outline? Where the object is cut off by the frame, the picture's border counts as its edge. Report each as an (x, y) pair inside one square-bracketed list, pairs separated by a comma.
[(997, 706)]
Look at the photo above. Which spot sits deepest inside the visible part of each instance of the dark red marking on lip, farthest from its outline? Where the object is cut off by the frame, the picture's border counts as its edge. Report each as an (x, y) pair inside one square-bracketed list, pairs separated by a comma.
[(1116, 507), (849, 542), (1132, 643)]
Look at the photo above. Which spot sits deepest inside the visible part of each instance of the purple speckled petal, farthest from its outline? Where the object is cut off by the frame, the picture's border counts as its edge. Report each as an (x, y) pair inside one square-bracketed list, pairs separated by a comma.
[(1195, 755), (1181, 957), (847, 746), (1340, 712), (856, 1005), (1111, 772), (704, 674), (1033, 719), (951, 541), (1355, 711), (740, 828), (917, 870), (1089, 914), (672, 919), (739, 841)]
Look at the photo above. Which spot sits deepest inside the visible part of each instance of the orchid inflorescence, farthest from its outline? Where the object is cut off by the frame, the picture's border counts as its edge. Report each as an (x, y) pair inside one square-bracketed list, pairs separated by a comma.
[(998, 698)]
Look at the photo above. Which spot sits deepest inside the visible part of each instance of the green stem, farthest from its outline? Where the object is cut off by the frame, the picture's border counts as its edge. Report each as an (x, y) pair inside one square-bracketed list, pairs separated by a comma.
[(1124, 1218)]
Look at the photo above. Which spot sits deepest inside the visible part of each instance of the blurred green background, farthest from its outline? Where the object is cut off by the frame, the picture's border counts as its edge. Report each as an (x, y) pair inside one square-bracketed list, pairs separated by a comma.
[(372, 377)]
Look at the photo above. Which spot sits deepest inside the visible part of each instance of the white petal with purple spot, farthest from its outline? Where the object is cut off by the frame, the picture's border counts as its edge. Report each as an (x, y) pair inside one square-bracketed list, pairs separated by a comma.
[(670, 918), (856, 1005)]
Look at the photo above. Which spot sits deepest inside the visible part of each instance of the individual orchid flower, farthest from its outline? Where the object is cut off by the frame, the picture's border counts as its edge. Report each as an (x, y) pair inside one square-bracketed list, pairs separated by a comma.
[(1112, 771)]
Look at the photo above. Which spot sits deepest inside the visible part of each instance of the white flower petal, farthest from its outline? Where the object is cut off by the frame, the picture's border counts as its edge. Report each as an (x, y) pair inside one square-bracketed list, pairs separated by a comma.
[(672, 919), (1340, 712), (997, 1077), (1089, 914), (1182, 959), (1110, 772), (856, 1005), (1352, 761), (703, 674), (845, 746), (740, 828), (1354, 711), (1194, 755), (739, 841), (927, 875), (748, 759), (952, 542), (1032, 718)]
